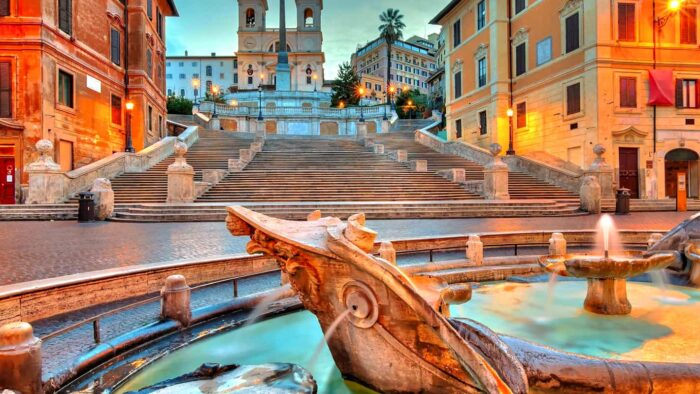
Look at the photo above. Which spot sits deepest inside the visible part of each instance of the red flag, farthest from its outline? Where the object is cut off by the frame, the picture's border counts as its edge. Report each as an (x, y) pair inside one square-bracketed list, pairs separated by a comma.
[(661, 87)]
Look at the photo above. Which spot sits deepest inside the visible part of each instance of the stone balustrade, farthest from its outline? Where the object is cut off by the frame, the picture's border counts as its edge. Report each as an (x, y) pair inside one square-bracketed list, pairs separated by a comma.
[(369, 112), (456, 175)]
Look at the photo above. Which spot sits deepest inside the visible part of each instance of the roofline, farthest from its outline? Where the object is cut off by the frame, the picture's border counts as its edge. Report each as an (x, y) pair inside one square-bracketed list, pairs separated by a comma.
[(201, 57), (171, 3), (436, 20), (404, 41)]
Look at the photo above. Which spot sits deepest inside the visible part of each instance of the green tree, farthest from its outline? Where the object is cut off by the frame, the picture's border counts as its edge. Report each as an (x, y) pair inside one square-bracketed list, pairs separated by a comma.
[(345, 87), (179, 105), (217, 98), (411, 103), (390, 30)]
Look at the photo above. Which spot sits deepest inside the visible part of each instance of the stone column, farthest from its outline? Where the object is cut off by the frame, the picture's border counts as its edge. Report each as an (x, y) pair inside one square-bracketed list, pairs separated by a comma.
[(20, 359), (590, 195), (496, 176), (180, 178), (557, 245), (603, 172), (104, 198), (361, 130), (47, 183), (387, 252), (175, 300), (475, 250)]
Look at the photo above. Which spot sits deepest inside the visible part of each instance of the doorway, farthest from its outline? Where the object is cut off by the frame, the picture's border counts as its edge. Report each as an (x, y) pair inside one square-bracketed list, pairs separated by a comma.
[(7, 180), (629, 170), (65, 155), (681, 160)]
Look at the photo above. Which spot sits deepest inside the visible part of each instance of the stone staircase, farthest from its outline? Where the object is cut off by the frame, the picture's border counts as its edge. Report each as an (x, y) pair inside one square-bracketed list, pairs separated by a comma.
[(521, 186), (39, 212)]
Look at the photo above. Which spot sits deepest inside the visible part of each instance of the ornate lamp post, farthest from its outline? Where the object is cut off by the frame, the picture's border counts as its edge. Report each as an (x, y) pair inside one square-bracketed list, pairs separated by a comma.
[(315, 79), (392, 92), (260, 114), (361, 92), (511, 150), (386, 98), (129, 146), (195, 85), (215, 95)]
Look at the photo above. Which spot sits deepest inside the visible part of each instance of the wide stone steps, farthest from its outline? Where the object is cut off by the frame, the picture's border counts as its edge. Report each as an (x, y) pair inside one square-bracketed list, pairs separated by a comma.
[(38, 212)]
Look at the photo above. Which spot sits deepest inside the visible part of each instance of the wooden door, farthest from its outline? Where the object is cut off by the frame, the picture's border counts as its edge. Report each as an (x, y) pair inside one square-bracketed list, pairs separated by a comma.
[(65, 155), (7, 180), (629, 170), (672, 170)]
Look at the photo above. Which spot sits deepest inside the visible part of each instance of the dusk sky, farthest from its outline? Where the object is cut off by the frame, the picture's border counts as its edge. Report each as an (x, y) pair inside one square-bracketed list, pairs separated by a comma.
[(206, 26)]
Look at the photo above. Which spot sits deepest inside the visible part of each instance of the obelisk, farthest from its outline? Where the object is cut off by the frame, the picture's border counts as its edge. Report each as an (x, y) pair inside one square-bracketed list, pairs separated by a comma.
[(284, 78)]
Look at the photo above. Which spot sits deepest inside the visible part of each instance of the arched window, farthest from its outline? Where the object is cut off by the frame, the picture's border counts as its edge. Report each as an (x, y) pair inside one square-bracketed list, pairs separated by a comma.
[(250, 18), (276, 47), (308, 17)]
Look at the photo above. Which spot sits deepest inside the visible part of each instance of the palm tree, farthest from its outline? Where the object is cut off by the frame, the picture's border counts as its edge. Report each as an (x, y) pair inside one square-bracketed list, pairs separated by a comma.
[(391, 30)]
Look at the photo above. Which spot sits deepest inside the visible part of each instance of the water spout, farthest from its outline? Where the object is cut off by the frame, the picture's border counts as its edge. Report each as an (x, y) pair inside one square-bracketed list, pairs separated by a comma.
[(606, 224), (331, 330)]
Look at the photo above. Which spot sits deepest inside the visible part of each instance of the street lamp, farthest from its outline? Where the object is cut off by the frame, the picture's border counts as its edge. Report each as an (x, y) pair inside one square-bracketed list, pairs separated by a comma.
[(511, 150), (315, 79), (410, 109), (260, 89), (392, 91), (215, 95), (361, 92), (129, 146), (386, 97), (195, 85)]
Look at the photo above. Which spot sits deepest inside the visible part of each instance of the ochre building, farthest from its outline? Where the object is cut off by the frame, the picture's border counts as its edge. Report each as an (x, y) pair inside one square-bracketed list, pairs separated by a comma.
[(63, 77), (578, 73)]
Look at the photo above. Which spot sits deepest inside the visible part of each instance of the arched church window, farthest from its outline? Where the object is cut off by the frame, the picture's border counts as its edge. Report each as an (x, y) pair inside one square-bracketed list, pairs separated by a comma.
[(276, 47), (308, 17), (250, 17)]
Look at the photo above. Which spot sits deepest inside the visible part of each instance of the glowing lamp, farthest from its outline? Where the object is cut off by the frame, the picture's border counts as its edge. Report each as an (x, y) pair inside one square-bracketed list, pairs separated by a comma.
[(674, 5), (509, 112), (215, 89), (129, 105), (362, 91)]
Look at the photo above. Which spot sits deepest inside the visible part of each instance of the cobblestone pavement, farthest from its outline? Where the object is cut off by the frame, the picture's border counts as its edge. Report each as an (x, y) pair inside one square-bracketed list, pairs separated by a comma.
[(40, 250)]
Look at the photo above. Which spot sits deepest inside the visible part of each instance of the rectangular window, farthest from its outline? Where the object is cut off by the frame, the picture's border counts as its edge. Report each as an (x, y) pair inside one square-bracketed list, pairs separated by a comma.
[(626, 23), (458, 85), (521, 119), (116, 47), (160, 125), (159, 23), (117, 110), (483, 124), (520, 59), (628, 92), (308, 81), (65, 16), (250, 80), (687, 93), (150, 118), (457, 33), (5, 90), (689, 25), (4, 7), (149, 63), (222, 75), (544, 51), (520, 6), (235, 78), (481, 15), (209, 87), (482, 72), (573, 99), (65, 89), (182, 92), (458, 128), (572, 33), (149, 9)]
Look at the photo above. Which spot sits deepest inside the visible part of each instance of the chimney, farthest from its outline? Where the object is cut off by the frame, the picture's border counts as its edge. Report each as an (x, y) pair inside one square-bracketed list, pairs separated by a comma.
[(186, 54), (213, 54)]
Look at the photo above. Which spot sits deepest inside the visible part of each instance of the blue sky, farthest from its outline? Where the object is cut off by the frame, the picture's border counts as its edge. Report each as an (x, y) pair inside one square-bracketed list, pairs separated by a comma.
[(206, 26)]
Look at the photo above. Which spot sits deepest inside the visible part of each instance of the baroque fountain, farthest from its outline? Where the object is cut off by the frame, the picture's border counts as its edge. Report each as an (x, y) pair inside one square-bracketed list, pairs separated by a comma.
[(387, 330)]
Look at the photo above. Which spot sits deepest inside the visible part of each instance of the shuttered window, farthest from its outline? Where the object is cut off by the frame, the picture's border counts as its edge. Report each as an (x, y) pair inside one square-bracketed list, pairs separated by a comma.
[(626, 23), (5, 90), (117, 110), (116, 46), (483, 124), (520, 6), (458, 85), (521, 121), (520, 59), (572, 33), (457, 33), (4, 7), (689, 25), (481, 15), (687, 93), (65, 16), (458, 128), (628, 92), (149, 9), (159, 22), (65, 89), (149, 63), (573, 99)]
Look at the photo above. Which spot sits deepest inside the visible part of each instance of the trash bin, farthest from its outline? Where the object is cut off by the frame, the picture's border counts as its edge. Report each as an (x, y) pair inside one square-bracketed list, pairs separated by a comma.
[(622, 203), (86, 207)]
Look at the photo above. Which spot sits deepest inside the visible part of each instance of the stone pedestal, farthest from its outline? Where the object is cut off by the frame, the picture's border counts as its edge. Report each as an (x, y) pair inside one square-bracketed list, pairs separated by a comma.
[(475, 250), (387, 252), (262, 134), (607, 297), (386, 126), (175, 300), (20, 359), (401, 156), (47, 183), (215, 123), (590, 195), (557, 245), (378, 149), (603, 172), (181, 187), (419, 165), (361, 130), (104, 198), (496, 176)]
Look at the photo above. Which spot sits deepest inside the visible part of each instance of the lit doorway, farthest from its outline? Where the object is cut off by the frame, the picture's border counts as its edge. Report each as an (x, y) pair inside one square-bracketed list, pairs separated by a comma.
[(681, 160)]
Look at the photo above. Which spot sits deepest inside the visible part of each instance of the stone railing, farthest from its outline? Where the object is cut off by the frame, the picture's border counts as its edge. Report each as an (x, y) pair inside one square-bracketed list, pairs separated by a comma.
[(457, 148), (373, 112)]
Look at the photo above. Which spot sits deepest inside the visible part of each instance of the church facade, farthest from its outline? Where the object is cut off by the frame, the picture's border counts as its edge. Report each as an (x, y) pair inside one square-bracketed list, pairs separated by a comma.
[(258, 47)]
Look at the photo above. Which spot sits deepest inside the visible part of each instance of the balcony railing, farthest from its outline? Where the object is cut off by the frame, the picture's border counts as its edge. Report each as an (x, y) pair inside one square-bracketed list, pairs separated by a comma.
[(373, 112)]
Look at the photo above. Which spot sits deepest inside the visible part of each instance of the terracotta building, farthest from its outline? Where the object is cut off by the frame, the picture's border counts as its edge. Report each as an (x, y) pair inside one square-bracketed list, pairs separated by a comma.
[(576, 73), (63, 67)]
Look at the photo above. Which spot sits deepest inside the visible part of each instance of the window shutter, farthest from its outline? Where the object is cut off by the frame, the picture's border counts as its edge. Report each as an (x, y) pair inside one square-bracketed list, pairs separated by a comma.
[(149, 9), (65, 16), (572, 33), (5, 90), (520, 65), (116, 47), (4, 7), (679, 93)]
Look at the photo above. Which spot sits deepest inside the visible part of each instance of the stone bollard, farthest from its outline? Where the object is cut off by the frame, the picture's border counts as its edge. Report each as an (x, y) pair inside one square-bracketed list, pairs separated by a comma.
[(496, 176), (180, 178), (361, 130), (215, 123), (175, 300), (104, 198), (457, 175), (378, 149), (245, 155), (557, 245), (47, 183), (590, 195), (654, 238), (419, 165), (20, 359), (475, 250), (401, 156), (602, 171), (387, 252)]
